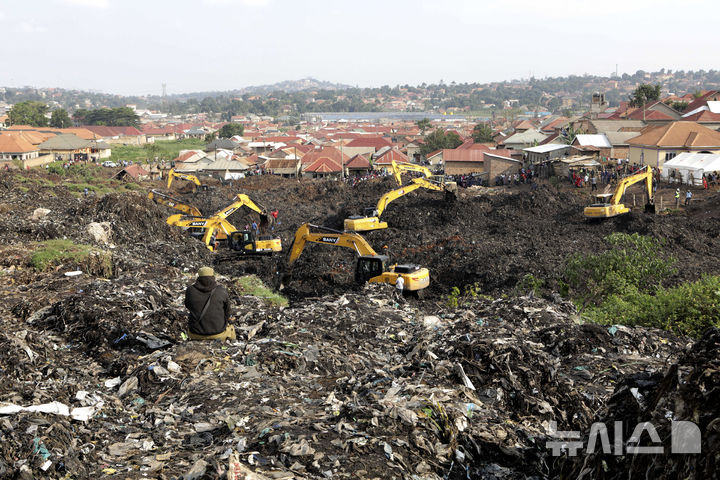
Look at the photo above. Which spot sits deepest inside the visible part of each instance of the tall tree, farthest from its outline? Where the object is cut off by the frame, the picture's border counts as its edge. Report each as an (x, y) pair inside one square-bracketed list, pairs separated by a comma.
[(231, 129), (482, 133), (568, 134), (440, 139), (60, 119), (423, 125), (114, 117), (28, 113), (643, 94)]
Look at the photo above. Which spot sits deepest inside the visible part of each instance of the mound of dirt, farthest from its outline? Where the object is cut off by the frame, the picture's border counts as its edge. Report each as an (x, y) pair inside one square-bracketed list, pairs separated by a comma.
[(689, 391)]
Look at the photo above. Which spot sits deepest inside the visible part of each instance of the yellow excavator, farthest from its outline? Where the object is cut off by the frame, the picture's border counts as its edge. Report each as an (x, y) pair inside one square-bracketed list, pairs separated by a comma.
[(371, 218), (217, 228), (399, 168), (164, 199), (370, 267), (608, 204), (184, 176)]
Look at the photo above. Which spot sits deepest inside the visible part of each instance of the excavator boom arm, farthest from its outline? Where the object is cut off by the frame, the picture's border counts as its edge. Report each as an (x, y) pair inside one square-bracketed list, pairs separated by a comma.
[(398, 168), (242, 200), (214, 224), (631, 180), (394, 195), (167, 200), (191, 178), (338, 239)]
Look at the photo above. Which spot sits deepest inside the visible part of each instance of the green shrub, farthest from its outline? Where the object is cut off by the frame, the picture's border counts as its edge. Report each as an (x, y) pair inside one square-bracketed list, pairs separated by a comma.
[(529, 283), (688, 309), (55, 252), (56, 168), (252, 285), (632, 261), (457, 298)]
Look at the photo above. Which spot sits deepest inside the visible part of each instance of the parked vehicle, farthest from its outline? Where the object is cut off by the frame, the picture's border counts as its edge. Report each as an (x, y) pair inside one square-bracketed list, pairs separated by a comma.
[(108, 163)]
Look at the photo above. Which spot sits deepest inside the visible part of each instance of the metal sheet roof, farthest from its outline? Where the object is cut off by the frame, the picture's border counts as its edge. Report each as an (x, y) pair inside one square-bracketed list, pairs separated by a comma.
[(548, 147), (598, 140)]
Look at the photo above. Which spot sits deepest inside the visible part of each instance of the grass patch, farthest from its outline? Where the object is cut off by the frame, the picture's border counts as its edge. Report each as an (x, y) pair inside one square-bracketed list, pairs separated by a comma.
[(163, 149), (688, 309), (252, 285), (97, 189), (625, 285), (52, 253)]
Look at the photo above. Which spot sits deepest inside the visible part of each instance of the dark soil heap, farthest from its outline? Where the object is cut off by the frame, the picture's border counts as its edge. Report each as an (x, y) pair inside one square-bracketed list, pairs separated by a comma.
[(343, 383)]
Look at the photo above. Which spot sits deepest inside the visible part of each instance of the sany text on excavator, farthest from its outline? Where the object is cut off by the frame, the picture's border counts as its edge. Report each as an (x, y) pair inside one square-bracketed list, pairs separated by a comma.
[(370, 267), (164, 199), (371, 218), (184, 176), (608, 204), (217, 228)]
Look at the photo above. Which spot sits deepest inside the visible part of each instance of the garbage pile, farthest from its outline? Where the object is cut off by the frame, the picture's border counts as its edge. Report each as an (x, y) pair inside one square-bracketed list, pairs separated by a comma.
[(676, 417), (101, 383), (97, 379)]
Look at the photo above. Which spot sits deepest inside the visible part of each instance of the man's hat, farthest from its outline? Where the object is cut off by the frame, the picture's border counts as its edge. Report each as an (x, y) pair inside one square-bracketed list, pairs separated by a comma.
[(206, 272)]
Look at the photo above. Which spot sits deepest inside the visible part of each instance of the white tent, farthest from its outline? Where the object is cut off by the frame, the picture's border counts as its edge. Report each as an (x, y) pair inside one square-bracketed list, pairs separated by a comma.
[(690, 167)]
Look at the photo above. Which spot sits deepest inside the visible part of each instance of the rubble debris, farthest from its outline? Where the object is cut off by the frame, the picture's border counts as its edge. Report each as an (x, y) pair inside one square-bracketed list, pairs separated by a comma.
[(345, 382), (687, 391)]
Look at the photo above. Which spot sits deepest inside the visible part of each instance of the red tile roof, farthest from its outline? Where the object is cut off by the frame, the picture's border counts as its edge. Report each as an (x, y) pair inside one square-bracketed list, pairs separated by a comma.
[(467, 155), (135, 171), (358, 162), (324, 165), (278, 139), (702, 100), (471, 145), (367, 141), (392, 154), (12, 143), (679, 134), (464, 155), (648, 115), (703, 116), (105, 131), (330, 152)]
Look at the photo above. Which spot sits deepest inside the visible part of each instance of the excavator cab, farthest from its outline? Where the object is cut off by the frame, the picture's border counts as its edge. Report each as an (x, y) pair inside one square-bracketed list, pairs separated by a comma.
[(370, 266), (242, 241), (246, 242)]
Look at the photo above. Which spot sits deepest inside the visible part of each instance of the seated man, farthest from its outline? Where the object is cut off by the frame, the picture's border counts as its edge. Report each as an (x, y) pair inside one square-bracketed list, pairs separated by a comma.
[(209, 307)]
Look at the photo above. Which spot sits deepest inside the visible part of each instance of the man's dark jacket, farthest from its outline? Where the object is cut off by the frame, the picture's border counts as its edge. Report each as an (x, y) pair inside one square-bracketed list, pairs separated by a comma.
[(218, 312)]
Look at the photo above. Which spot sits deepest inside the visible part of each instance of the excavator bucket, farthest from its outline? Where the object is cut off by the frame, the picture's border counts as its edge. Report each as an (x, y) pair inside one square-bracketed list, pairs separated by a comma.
[(649, 208), (451, 191)]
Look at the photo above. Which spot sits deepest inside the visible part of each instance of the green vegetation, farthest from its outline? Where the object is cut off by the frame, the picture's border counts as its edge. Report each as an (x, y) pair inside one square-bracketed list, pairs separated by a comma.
[(529, 284), (482, 133), (423, 125), (679, 106), (440, 139), (164, 150), (28, 113), (231, 129), (97, 189), (632, 261), (60, 119), (51, 253), (688, 309), (458, 298), (643, 94), (116, 117), (624, 285), (252, 285)]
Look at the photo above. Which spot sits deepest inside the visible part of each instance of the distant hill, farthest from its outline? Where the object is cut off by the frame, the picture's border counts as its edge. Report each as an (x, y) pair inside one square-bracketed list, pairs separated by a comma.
[(287, 86), (308, 83)]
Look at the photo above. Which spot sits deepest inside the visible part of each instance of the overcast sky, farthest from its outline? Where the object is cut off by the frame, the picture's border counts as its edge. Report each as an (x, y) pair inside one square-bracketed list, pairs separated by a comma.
[(133, 46)]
